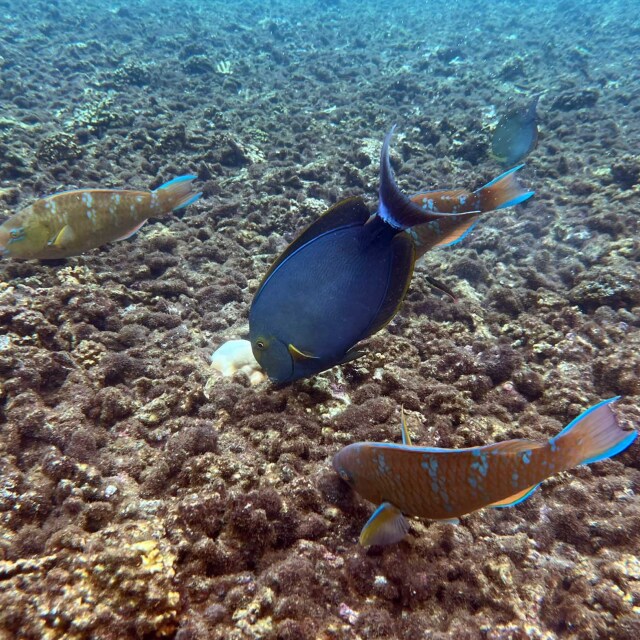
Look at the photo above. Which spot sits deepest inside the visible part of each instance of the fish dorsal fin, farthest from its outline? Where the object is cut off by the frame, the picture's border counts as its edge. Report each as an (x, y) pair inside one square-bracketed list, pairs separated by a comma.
[(406, 436), (402, 262), (515, 499), (64, 237), (346, 213), (387, 525), (512, 447)]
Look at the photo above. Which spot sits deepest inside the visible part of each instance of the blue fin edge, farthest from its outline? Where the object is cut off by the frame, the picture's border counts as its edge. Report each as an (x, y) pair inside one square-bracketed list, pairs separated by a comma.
[(462, 237), (176, 180), (500, 177), (621, 446), (517, 200), (518, 501), (188, 202)]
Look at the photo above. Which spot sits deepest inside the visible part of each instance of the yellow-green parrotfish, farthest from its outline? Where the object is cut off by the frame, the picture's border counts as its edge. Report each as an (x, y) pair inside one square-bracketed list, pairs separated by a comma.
[(72, 222), (346, 275), (516, 134), (443, 484)]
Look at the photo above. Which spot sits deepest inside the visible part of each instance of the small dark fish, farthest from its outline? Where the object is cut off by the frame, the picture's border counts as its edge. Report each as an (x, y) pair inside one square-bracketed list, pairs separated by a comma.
[(442, 484), (70, 223), (346, 275), (516, 134)]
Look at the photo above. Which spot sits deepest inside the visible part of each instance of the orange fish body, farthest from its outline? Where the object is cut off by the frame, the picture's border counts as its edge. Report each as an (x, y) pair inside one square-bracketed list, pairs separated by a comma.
[(70, 223), (443, 484), (504, 191)]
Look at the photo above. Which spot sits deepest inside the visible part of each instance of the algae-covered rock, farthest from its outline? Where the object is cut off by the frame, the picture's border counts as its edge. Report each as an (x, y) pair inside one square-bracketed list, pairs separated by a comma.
[(114, 584)]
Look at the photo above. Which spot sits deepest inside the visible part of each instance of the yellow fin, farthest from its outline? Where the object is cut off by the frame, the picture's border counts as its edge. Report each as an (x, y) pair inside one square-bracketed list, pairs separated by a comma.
[(387, 525), (64, 237), (300, 356)]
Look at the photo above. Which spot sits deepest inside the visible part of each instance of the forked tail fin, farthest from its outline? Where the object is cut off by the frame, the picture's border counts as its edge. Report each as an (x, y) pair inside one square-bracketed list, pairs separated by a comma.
[(177, 193), (503, 191), (593, 435)]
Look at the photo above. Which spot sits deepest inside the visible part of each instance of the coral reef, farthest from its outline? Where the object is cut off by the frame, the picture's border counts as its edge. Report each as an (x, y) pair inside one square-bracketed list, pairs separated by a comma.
[(141, 496)]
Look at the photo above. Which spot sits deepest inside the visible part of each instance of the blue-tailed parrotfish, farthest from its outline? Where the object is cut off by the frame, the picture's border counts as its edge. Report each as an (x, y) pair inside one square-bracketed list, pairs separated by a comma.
[(516, 134), (345, 276), (72, 222), (443, 484)]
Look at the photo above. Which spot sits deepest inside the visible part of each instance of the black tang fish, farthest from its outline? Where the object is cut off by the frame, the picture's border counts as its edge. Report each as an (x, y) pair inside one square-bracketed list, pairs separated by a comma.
[(346, 275), (516, 134)]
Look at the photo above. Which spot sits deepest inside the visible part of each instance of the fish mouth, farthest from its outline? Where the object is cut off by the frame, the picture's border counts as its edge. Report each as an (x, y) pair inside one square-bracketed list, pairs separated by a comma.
[(277, 363), (287, 379), (4, 241)]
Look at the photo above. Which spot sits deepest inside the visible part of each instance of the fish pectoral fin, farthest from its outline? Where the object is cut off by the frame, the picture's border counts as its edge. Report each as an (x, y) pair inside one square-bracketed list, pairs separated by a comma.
[(64, 238), (129, 233), (387, 525), (515, 499), (436, 284), (300, 356)]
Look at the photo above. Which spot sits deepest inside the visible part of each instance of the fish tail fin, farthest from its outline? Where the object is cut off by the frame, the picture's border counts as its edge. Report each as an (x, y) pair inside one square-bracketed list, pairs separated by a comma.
[(177, 193), (594, 435), (395, 208), (503, 191)]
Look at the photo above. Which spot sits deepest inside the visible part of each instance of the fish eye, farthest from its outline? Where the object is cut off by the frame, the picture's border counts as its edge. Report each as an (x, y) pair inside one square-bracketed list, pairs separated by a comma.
[(261, 344), (344, 475)]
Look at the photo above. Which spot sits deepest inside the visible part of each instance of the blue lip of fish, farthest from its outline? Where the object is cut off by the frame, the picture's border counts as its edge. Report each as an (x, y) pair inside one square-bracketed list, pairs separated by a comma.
[(516, 134), (345, 277)]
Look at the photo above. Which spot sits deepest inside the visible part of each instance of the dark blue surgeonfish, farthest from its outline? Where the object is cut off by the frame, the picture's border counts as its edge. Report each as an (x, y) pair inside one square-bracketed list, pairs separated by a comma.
[(516, 134), (346, 275)]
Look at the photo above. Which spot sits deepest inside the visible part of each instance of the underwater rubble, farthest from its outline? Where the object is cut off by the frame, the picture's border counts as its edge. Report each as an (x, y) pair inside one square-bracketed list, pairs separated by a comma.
[(145, 496)]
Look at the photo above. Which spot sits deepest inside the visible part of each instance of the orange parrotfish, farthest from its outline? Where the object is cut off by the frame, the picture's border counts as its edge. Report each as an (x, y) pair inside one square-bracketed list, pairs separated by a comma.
[(72, 222), (443, 484), (346, 275), (503, 191), (516, 134)]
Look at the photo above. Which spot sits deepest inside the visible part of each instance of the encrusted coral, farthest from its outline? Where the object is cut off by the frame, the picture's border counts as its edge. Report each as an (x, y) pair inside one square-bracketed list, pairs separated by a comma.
[(57, 148), (116, 583), (131, 471)]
